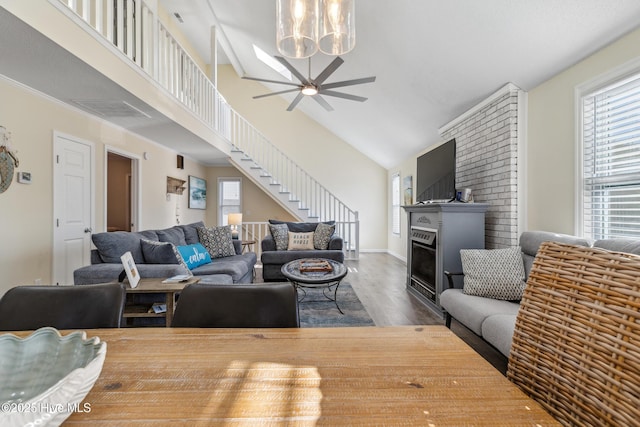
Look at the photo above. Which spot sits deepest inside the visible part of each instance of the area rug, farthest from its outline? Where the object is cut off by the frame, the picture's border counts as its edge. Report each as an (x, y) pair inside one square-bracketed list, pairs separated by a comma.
[(318, 312)]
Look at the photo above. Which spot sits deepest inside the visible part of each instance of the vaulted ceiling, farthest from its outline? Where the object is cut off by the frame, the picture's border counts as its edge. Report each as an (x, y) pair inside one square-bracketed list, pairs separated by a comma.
[(433, 59)]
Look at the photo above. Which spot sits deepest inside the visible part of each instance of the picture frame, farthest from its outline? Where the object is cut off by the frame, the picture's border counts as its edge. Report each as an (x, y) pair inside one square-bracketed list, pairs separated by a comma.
[(407, 190), (197, 193), (130, 268)]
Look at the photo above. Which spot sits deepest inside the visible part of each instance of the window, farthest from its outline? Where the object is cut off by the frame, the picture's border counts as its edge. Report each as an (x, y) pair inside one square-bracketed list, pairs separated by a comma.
[(229, 198), (395, 204), (611, 160)]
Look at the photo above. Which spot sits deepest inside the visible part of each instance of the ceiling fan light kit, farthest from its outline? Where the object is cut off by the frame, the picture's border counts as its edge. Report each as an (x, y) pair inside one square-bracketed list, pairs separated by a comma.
[(304, 26)]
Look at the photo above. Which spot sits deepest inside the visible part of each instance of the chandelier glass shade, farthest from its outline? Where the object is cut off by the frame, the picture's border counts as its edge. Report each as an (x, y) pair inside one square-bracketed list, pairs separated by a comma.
[(304, 26)]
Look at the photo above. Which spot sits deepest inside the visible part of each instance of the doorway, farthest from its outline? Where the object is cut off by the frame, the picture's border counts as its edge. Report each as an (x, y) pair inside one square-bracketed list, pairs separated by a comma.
[(73, 202), (121, 191)]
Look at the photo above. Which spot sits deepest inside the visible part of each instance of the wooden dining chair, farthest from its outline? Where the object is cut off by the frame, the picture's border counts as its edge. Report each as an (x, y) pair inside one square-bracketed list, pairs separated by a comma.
[(258, 305), (62, 307), (576, 345)]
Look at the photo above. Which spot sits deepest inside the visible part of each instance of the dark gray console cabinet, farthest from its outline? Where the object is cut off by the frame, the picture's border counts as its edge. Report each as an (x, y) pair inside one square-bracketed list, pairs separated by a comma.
[(436, 233)]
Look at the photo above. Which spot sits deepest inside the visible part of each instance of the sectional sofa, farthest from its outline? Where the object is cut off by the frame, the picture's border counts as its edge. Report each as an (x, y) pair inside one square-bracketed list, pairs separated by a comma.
[(106, 266), (494, 319)]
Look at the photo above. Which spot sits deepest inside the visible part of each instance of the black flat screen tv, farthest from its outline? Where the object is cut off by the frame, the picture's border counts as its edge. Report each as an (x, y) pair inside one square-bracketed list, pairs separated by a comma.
[(436, 174)]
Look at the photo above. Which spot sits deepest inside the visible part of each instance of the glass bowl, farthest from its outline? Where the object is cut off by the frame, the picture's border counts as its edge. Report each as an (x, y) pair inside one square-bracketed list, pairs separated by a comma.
[(45, 376)]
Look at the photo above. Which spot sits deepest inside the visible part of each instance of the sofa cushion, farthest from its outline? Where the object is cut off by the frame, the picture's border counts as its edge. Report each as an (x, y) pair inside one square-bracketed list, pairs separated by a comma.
[(530, 241), (194, 255), (493, 273), (174, 235), (498, 329), (322, 236), (217, 241), (191, 232), (112, 245), (158, 252), (630, 246), (471, 310), (280, 234), (300, 227), (109, 272), (283, 257), (236, 266), (300, 241)]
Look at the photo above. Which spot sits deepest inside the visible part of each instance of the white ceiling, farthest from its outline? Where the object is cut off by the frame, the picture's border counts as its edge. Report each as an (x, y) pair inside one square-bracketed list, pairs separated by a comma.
[(433, 59)]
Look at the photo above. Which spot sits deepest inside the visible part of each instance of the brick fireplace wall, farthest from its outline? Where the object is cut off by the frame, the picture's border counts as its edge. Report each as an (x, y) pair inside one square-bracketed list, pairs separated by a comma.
[(489, 138)]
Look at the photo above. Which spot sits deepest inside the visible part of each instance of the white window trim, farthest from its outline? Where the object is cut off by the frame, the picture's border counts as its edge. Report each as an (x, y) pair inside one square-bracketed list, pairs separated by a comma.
[(610, 77), (398, 206), (220, 180)]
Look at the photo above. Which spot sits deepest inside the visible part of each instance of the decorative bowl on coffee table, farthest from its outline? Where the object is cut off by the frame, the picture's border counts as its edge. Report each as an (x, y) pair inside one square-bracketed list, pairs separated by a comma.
[(45, 376)]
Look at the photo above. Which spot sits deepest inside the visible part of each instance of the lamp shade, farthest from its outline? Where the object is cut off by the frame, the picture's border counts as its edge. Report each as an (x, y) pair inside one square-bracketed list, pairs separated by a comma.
[(297, 31), (337, 32), (234, 219)]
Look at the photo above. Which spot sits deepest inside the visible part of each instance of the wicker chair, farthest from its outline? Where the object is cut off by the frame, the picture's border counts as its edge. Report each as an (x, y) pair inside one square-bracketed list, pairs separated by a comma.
[(576, 345)]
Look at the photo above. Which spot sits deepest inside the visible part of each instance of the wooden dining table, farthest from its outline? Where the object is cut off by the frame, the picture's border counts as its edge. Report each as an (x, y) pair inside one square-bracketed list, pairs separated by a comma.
[(408, 375)]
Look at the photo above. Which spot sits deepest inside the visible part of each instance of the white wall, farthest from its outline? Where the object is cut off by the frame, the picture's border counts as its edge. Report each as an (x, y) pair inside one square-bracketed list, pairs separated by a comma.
[(26, 211), (551, 143), (354, 178), (551, 153)]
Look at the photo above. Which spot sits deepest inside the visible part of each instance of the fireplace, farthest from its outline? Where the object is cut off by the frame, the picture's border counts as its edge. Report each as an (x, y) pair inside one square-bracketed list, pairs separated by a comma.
[(423, 261), (435, 234)]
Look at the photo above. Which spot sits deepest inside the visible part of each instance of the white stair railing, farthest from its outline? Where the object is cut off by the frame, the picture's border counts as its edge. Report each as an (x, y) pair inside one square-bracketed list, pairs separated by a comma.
[(321, 204), (132, 26)]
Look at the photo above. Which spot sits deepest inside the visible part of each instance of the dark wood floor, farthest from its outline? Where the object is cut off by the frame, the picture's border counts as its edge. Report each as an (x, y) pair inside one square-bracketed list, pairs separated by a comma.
[(379, 282)]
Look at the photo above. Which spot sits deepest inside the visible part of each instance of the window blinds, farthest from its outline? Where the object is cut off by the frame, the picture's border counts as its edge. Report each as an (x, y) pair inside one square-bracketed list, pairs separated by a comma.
[(611, 153)]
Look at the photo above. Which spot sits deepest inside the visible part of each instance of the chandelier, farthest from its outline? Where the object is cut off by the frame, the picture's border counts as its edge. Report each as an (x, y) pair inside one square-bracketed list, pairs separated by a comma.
[(306, 26)]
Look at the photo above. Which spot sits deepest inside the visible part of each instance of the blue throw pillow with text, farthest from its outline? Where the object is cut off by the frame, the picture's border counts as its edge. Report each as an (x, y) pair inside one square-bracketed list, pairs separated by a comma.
[(194, 255)]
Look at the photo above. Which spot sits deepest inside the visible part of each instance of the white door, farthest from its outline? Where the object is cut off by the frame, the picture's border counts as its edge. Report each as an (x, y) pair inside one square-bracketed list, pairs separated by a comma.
[(72, 206)]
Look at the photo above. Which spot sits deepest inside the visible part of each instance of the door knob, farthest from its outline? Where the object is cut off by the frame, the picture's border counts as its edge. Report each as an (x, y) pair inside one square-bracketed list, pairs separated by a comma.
[(88, 230)]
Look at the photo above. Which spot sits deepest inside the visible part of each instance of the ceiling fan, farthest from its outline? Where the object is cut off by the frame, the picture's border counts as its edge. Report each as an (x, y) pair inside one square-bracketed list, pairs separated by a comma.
[(315, 87)]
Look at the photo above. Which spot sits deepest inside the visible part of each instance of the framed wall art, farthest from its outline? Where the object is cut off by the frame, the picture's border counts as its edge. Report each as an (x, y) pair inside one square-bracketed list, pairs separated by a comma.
[(197, 193)]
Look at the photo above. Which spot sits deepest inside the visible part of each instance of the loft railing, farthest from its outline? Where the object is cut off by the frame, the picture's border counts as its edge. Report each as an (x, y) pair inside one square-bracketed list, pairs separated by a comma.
[(133, 27)]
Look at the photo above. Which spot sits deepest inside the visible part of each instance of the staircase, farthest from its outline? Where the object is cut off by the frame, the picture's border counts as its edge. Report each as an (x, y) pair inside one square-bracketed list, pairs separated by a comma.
[(293, 188), (168, 64)]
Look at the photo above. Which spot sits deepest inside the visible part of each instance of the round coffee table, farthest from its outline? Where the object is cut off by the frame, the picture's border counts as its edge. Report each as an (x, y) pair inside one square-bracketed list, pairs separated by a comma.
[(316, 279)]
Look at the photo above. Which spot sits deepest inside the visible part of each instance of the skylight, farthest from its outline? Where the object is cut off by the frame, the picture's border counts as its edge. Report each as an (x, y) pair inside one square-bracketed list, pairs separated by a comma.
[(272, 63)]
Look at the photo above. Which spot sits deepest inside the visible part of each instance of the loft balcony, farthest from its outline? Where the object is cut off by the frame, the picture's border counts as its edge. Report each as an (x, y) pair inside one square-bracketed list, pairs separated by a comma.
[(117, 60)]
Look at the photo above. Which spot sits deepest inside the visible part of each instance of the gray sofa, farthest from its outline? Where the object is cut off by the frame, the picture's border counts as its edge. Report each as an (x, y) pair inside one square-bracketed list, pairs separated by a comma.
[(494, 320), (106, 266), (273, 259)]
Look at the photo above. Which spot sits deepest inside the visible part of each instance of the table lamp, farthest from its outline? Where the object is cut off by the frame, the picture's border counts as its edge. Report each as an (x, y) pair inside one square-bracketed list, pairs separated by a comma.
[(234, 219)]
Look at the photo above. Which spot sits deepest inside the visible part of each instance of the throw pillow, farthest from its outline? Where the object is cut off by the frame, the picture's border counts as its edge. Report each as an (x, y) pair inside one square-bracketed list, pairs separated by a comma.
[(280, 233), (194, 255), (300, 241), (493, 273), (162, 253), (322, 236), (217, 241), (174, 235), (158, 252)]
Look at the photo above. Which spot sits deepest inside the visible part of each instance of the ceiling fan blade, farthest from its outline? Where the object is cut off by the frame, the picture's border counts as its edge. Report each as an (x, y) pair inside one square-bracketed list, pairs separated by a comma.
[(276, 93), (343, 95), (333, 66), (271, 81), (292, 69), (349, 82), (295, 102), (320, 100)]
